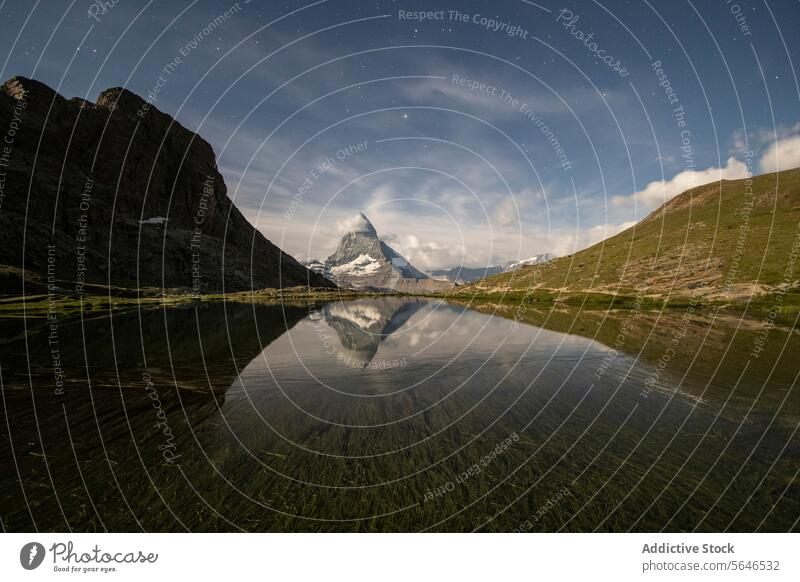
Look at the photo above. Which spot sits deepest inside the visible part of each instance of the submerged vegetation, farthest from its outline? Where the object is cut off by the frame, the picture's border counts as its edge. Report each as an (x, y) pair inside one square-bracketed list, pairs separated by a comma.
[(270, 430)]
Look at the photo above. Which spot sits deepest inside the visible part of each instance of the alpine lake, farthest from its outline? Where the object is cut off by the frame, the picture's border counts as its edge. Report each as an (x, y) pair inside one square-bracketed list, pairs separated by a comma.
[(400, 414)]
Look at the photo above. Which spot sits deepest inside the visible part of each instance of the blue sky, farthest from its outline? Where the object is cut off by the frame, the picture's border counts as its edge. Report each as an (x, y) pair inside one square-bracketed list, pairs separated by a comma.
[(509, 129)]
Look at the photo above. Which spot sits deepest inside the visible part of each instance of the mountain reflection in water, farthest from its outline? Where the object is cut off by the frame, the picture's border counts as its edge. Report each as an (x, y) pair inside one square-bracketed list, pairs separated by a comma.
[(399, 414), (362, 325)]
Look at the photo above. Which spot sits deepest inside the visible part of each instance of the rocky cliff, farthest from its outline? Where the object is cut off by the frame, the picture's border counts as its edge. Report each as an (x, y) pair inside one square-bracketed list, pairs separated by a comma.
[(118, 193)]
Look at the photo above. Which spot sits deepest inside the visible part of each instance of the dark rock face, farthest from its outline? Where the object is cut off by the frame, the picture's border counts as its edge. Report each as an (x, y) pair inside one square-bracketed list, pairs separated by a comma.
[(118, 193)]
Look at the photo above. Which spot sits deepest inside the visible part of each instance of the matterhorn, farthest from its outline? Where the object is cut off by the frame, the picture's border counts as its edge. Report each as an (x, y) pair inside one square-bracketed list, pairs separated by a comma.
[(363, 261)]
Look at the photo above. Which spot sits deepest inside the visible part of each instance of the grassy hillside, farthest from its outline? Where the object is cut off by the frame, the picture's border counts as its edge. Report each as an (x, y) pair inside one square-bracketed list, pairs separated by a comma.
[(728, 240)]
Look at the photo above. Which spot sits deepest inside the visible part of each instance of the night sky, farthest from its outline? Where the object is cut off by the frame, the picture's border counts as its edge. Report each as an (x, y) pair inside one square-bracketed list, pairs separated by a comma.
[(508, 129)]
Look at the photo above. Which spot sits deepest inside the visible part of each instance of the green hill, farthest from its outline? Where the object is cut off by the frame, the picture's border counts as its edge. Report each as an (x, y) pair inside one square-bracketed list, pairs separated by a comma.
[(730, 240)]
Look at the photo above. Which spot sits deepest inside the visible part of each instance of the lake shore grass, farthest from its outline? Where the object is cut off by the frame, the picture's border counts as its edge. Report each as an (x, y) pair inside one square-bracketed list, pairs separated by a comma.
[(103, 299), (66, 303), (786, 302)]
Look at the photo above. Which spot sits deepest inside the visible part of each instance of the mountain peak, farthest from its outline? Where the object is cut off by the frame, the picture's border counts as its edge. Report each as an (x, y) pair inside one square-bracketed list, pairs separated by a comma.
[(31, 91), (363, 261), (119, 97), (361, 224)]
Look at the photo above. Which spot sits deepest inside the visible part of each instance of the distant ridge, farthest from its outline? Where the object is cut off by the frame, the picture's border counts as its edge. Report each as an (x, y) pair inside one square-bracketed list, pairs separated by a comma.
[(462, 275)]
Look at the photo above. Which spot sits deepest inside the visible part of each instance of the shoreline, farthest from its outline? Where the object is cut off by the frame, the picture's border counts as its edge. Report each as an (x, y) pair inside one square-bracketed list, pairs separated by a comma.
[(113, 299)]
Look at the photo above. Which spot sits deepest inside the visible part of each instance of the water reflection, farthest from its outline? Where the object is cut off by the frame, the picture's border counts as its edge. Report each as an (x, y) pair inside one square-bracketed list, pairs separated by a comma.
[(362, 325), (295, 418)]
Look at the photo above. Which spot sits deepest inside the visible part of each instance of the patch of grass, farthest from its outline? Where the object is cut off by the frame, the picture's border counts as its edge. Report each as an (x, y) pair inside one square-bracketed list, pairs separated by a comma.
[(545, 297), (64, 303)]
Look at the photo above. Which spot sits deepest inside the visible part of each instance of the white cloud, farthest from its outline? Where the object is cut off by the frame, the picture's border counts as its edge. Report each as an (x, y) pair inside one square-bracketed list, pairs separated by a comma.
[(782, 154), (507, 212), (659, 191), (740, 142), (764, 136), (357, 223), (780, 140), (426, 255)]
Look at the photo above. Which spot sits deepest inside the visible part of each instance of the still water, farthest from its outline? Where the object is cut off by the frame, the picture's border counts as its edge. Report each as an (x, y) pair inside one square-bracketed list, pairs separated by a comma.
[(399, 414)]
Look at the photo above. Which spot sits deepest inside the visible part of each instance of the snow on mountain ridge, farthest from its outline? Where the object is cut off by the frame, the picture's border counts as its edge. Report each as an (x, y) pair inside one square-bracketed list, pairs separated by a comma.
[(461, 275), (534, 260), (361, 266)]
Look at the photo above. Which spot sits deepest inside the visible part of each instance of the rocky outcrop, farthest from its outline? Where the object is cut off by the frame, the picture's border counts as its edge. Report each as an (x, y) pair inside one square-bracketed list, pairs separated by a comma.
[(118, 193)]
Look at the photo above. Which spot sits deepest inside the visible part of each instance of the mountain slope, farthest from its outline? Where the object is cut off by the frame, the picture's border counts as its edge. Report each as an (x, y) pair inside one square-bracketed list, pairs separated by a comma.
[(726, 240), (363, 261), (118, 193)]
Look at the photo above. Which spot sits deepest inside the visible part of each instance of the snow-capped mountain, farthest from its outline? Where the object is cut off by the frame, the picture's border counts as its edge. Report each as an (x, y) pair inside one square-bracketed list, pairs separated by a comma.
[(363, 261), (534, 260), (316, 266), (463, 275)]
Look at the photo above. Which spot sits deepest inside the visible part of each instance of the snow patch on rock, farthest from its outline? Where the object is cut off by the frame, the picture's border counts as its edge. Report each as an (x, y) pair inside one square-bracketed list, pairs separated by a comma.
[(153, 220), (534, 260), (361, 266)]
